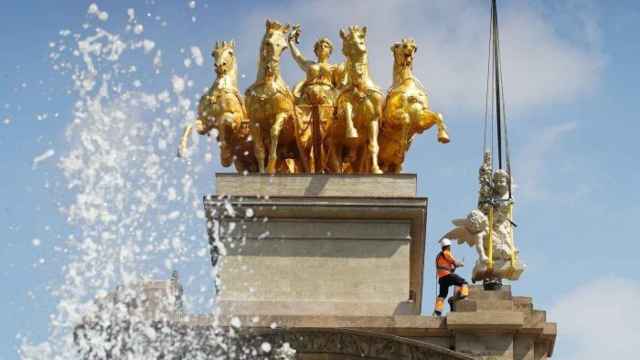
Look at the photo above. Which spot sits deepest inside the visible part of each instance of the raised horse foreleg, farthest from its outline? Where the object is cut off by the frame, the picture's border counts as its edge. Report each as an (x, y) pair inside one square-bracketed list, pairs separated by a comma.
[(443, 135), (201, 127), (274, 135)]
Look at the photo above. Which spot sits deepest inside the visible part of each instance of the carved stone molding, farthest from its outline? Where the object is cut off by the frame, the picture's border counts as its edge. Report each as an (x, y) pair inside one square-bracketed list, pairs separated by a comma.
[(360, 344)]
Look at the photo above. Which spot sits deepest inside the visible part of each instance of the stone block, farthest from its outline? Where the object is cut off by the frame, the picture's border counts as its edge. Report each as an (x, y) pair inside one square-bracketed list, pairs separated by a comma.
[(469, 305), (485, 320), (334, 249), (523, 303), (478, 293), (485, 346), (371, 186), (524, 347)]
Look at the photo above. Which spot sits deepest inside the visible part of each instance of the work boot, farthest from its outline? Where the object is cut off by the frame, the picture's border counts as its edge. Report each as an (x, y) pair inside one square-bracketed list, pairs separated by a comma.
[(439, 307), (464, 291)]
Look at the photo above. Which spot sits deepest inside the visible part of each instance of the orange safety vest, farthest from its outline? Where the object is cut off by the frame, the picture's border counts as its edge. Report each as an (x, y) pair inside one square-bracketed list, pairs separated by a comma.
[(445, 263)]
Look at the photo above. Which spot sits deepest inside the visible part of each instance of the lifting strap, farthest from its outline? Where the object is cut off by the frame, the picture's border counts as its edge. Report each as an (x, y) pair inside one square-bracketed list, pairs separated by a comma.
[(490, 239)]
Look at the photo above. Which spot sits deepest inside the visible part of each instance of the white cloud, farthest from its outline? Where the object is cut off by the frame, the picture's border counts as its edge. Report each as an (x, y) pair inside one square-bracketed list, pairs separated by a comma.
[(542, 65), (599, 320), (534, 159)]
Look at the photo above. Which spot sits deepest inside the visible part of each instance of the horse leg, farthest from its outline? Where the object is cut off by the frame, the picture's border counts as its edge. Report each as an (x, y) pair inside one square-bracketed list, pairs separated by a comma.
[(240, 166), (276, 128), (258, 144), (373, 146), (405, 126), (350, 129), (360, 162), (225, 124), (305, 160), (334, 162)]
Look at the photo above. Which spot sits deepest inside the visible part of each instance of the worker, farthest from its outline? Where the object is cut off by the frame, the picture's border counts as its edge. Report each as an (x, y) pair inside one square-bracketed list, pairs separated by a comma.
[(446, 265)]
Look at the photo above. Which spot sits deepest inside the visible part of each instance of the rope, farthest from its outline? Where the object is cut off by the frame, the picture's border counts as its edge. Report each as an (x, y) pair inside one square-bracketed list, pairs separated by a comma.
[(491, 122), (486, 95), (492, 93), (496, 64), (506, 136), (511, 236)]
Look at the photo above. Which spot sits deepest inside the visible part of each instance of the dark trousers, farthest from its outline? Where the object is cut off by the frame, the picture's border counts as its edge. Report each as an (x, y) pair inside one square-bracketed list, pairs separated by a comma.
[(446, 281)]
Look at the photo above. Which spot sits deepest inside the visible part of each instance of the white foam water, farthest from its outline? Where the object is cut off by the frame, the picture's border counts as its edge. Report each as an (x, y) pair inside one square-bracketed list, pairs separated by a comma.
[(134, 212)]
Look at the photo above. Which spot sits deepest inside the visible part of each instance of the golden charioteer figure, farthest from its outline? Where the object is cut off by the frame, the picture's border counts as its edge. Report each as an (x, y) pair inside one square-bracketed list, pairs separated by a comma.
[(336, 120), (315, 98)]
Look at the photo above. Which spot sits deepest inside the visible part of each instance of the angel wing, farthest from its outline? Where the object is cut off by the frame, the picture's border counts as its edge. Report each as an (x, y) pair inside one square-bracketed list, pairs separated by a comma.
[(464, 236)]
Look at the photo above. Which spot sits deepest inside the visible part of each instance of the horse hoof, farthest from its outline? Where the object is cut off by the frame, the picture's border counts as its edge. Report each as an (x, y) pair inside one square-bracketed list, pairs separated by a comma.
[(443, 137)]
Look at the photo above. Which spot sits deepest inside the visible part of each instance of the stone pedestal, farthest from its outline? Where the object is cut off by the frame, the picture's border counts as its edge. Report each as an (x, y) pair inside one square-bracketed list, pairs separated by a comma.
[(309, 245), (488, 325), (497, 325)]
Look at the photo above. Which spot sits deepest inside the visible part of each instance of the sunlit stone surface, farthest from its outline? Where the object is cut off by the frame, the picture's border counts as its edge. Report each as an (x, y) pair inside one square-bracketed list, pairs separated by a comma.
[(319, 244)]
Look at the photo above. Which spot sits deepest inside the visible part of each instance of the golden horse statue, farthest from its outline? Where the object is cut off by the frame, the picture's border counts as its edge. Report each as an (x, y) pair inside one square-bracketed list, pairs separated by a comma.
[(270, 106), (222, 108), (315, 101), (406, 110), (359, 110)]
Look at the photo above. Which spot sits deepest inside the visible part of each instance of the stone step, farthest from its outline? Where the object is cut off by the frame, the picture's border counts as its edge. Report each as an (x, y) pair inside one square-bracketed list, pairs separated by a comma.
[(522, 303), (485, 320), (470, 305), (537, 317), (477, 292)]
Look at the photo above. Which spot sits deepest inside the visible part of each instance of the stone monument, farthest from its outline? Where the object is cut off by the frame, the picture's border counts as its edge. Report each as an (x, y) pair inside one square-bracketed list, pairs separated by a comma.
[(336, 273), (319, 239), (320, 253)]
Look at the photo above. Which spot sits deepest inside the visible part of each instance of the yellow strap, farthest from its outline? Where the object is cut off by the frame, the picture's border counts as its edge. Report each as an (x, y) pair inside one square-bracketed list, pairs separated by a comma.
[(490, 239), (510, 237)]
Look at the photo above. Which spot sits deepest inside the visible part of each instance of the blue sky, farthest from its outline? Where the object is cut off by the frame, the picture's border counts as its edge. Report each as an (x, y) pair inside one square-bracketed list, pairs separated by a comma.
[(571, 88)]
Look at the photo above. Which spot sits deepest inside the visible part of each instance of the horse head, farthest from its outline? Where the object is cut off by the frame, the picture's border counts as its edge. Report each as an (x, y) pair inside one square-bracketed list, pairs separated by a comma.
[(353, 41), (404, 52), (274, 41), (224, 57)]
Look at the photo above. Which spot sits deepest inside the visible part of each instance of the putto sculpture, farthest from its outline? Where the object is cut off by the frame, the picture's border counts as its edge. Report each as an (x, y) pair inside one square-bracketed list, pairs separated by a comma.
[(334, 121), (489, 229), (472, 231)]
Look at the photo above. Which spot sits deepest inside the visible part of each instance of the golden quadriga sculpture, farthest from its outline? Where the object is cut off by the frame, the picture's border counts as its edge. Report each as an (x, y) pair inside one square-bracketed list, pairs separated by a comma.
[(336, 120)]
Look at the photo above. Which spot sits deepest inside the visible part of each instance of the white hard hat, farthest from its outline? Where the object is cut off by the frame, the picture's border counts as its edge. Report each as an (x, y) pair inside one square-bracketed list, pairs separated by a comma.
[(445, 242)]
